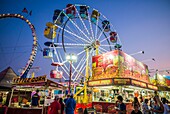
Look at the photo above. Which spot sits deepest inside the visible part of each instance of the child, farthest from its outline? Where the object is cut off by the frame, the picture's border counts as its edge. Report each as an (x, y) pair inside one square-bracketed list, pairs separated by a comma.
[(136, 110)]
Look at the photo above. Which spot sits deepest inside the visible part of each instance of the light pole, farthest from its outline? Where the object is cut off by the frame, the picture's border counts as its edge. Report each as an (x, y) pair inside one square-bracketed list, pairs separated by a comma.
[(151, 59), (71, 58), (140, 52)]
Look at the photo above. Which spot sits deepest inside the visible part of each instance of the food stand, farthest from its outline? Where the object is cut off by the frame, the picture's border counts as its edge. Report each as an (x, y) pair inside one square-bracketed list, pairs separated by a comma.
[(117, 73), (24, 88)]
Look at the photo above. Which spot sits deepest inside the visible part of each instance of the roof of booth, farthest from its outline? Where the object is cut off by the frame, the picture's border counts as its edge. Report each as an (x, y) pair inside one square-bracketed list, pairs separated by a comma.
[(6, 77)]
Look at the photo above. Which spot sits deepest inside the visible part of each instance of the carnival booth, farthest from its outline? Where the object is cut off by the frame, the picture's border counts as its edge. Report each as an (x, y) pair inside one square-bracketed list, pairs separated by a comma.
[(24, 88), (117, 73), (163, 83)]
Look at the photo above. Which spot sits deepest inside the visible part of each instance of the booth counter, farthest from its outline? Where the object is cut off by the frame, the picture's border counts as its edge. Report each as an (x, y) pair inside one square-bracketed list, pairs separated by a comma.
[(105, 92)]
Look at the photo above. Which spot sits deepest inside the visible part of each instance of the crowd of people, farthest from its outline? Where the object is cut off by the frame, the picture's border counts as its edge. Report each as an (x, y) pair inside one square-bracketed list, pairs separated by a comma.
[(153, 105), (60, 106)]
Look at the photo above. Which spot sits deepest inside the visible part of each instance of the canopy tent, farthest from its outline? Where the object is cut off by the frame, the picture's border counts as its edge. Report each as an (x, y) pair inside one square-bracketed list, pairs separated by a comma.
[(167, 77), (6, 77)]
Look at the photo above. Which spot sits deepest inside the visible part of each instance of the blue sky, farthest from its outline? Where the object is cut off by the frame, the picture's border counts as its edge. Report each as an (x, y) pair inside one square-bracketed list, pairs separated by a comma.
[(141, 25)]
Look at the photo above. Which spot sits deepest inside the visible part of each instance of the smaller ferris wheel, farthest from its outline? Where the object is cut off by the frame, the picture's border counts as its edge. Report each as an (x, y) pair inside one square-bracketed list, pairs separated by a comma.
[(78, 30)]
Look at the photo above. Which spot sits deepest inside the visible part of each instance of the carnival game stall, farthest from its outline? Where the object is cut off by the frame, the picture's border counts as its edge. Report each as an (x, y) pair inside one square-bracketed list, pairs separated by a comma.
[(117, 73), (24, 88)]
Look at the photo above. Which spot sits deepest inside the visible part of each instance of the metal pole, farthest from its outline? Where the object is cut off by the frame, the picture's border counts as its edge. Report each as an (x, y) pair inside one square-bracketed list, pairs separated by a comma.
[(69, 91), (11, 97)]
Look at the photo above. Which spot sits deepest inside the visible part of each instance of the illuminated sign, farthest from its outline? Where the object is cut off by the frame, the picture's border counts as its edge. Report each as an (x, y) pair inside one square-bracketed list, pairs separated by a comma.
[(137, 83), (122, 81), (28, 80), (152, 87), (100, 82), (107, 65)]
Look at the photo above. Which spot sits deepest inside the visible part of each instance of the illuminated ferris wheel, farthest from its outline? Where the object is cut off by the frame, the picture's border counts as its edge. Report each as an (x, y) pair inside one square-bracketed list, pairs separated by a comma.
[(13, 52), (78, 30)]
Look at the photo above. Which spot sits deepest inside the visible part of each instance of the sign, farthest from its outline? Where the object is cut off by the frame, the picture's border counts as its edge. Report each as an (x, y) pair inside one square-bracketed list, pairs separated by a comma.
[(117, 64), (100, 82), (152, 87), (137, 83), (105, 65), (122, 81), (29, 80)]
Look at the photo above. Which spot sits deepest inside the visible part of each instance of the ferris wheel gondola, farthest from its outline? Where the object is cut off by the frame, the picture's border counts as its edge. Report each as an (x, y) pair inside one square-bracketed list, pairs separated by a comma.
[(83, 31)]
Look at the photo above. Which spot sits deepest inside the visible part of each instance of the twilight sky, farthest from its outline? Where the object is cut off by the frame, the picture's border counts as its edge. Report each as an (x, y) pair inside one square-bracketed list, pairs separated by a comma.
[(141, 25)]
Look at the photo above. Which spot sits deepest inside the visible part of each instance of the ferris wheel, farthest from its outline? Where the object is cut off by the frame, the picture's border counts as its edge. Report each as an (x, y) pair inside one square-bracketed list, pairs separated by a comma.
[(78, 30), (8, 53)]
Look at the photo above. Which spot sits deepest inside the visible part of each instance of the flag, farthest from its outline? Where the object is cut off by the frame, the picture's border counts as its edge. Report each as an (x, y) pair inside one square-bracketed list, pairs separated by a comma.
[(25, 10), (30, 13)]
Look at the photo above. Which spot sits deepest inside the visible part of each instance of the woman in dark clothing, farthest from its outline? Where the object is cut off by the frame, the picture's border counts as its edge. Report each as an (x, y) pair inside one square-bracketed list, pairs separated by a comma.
[(136, 102), (62, 105)]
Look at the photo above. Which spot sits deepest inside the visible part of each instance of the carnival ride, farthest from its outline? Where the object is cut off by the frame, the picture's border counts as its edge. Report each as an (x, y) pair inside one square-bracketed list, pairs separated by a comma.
[(80, 30), (29, 63)]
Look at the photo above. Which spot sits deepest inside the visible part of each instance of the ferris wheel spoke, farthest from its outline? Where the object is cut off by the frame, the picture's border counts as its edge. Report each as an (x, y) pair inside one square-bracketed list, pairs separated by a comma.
[(79, 74), (79, 33), (81, 52), (101, 32), (80, 69), (104, 39), (55, 52), (79, 63), (83, 68), (76, 26), (90, 25), (104, 45), (71, 39), (65, 71), (103, 16), (63, 62), (74, 34), (71, 44), (102, 50), (82, 22)]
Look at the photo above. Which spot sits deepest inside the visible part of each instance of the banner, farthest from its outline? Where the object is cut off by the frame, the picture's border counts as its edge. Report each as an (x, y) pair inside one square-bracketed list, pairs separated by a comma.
[(100, 82), (106, 66), (29, 80)]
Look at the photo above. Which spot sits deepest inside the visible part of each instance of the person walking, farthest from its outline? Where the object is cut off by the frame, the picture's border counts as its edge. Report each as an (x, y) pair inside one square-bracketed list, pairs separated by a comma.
[(55, 107), (158, 106), (67, 97), (145, 107), (62, 105), (136, 102), (70, 105), (121, 106)]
